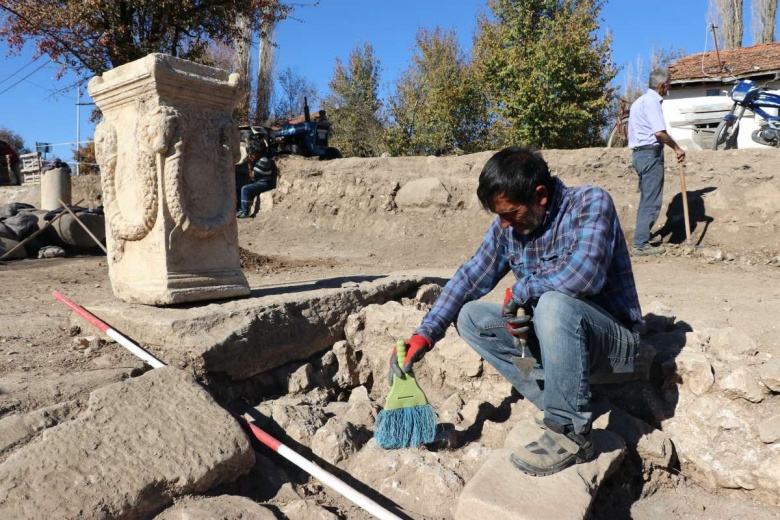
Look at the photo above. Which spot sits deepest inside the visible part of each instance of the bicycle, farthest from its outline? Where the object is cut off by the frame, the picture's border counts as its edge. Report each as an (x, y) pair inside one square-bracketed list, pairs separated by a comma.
[(618, 137)]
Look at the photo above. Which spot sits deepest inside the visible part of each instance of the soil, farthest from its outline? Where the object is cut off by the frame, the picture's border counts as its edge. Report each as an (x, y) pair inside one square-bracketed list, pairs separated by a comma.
[(339, 218)]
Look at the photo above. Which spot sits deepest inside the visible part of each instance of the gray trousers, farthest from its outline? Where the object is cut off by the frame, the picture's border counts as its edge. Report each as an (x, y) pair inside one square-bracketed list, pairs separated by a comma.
[(649, 165)]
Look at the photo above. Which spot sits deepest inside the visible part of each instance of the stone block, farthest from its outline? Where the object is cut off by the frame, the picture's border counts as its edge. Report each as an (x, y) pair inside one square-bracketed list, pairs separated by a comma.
[(19, 428), (100, 465), (246, 337), (500, 491)]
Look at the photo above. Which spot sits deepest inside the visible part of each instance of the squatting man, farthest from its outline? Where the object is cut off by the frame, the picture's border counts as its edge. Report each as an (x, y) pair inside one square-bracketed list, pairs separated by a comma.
[(574, 283)]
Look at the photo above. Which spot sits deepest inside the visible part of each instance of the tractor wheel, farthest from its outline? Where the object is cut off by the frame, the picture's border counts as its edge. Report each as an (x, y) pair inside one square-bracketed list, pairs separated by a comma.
[(330, 153)]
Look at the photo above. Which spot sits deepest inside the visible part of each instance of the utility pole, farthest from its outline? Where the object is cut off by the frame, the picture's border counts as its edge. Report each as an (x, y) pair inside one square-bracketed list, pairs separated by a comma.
[(78, 126)]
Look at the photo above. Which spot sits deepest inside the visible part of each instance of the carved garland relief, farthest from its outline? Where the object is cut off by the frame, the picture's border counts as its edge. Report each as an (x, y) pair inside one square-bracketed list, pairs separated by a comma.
[(160, 158)]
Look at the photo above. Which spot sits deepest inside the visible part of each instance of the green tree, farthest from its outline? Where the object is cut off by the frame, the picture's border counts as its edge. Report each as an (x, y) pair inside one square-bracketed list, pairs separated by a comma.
[(353, 104), (546, 71), (437, 106), (14, 139), (84, 155), (96, 35)]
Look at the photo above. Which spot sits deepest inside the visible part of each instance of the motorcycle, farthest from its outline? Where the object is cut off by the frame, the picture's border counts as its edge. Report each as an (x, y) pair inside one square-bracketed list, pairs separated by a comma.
[(749, 96)]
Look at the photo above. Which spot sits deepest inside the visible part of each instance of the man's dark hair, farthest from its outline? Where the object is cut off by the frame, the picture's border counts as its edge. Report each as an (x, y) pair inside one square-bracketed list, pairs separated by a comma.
[(515, 173)]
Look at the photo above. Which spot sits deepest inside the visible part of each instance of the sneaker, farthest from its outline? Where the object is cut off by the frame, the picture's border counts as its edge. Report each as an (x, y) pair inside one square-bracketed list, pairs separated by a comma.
[(241, 214), (555, 450), (648, 250)]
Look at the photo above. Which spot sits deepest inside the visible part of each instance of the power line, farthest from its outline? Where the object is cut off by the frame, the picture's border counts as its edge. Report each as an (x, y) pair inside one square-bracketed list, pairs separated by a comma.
[(24, 78), (20, 70)]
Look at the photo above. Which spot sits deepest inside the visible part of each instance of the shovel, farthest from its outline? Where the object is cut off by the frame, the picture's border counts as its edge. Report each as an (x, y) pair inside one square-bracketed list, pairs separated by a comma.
[(524, 363), (684, 193)]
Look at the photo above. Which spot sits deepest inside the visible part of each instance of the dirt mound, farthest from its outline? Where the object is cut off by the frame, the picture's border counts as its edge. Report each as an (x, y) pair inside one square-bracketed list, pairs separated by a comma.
[(265, 265), (340, 208)]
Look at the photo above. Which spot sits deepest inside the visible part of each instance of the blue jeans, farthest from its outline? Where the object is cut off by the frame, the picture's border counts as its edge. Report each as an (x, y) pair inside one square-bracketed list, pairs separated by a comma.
[(252, 190), (573, 338), (649, 165)]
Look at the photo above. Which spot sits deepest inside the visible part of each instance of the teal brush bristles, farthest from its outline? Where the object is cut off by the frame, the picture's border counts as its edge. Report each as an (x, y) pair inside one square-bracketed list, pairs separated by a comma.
[(408, 420)]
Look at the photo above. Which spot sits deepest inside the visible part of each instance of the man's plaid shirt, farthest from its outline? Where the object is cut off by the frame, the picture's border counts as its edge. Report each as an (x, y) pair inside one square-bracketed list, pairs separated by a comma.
[(579, 250)]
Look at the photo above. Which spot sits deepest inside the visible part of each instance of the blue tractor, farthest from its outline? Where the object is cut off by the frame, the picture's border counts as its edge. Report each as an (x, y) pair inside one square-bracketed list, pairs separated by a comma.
[(304, 136)]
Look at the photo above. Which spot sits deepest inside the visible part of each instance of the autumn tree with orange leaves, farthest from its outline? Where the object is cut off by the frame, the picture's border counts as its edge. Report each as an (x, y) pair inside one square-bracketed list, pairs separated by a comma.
[(92, 36)]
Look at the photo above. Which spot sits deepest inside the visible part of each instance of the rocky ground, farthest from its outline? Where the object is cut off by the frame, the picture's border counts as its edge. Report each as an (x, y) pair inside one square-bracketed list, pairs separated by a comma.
[(717, 300)]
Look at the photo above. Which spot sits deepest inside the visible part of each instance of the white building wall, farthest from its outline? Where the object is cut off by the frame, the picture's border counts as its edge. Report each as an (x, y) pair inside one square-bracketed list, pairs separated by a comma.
[(692, 117)]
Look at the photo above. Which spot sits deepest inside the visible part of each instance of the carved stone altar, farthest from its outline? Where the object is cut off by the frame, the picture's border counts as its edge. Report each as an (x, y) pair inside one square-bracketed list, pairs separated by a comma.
[(166, 150)]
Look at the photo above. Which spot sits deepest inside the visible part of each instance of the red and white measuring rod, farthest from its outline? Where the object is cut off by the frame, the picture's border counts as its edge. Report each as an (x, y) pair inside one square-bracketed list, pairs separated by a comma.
[(108, 331), (312, 469)]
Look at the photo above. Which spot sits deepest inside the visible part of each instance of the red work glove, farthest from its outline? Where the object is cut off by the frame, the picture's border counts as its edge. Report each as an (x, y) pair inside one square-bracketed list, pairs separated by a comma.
[(416, 347), (516, 325)]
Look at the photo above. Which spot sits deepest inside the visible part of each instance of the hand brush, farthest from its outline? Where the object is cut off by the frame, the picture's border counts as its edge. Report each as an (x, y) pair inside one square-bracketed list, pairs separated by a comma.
[(408, 420)]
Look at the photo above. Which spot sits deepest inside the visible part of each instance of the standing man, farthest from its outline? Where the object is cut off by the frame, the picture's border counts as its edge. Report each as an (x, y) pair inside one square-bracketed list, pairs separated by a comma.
[(13, 163), (575, 285), (646, 137)]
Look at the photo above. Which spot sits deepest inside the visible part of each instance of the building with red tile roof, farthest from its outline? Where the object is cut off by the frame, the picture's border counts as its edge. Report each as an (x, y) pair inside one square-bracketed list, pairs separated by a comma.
[(757, 62), (701, 83)]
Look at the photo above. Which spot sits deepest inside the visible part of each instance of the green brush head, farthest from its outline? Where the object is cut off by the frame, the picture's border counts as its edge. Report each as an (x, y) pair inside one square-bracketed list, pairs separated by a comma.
[(405, 391)]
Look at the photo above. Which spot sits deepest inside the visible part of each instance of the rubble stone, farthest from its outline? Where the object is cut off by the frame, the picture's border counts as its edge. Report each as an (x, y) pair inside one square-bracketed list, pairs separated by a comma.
[(336, 441), (745, 383), (731, 344), (658, 318), (715, 440), (307, 510), (422, 193), (423, 483), (695, 370), (223, 507), (360, 409), (769, 429), (349, 372), (297, 420), (301, 380), (428, 293), (770, 374), (653, 446)]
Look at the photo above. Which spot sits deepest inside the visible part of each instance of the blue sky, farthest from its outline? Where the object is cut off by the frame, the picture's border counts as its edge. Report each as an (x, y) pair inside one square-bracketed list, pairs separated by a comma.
[(310, 42)]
